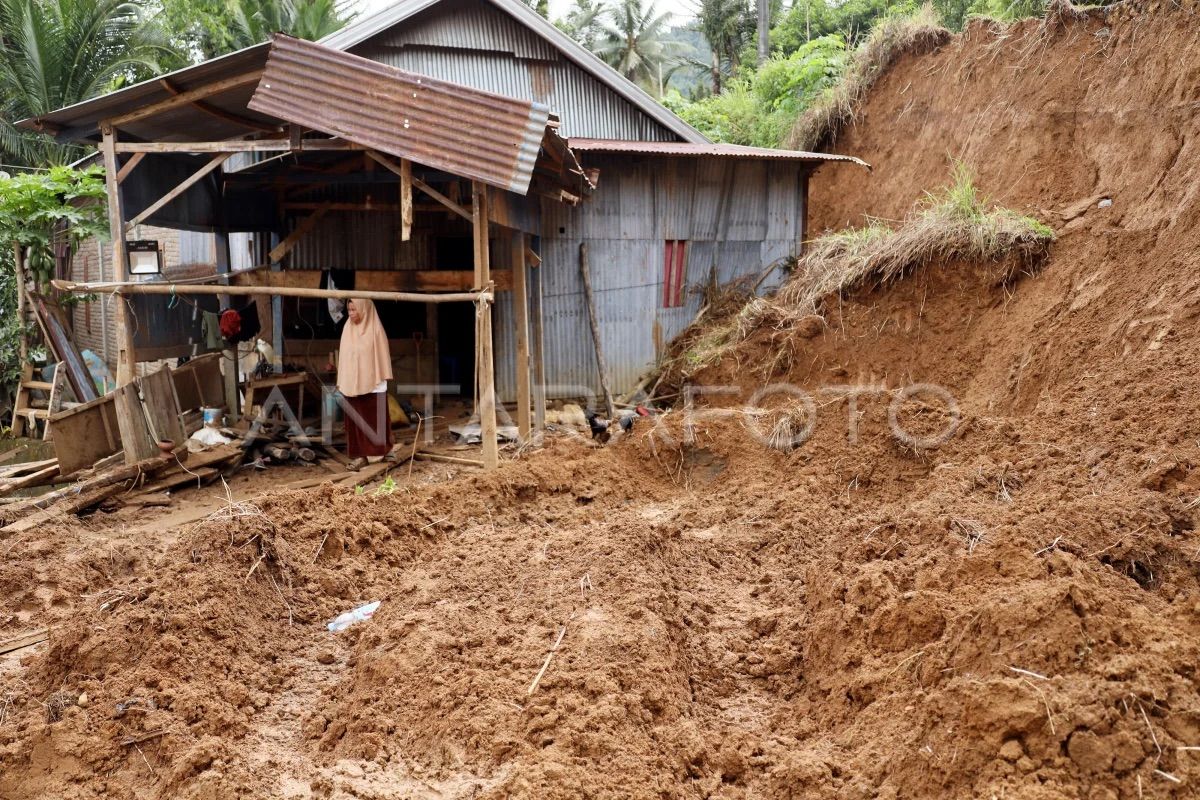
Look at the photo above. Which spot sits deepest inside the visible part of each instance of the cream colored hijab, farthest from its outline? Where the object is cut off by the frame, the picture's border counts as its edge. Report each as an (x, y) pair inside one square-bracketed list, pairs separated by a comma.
[(363, 358)]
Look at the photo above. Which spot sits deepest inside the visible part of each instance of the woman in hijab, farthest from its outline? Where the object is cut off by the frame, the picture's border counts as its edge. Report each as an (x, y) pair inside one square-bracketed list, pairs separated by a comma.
[(364, 368)]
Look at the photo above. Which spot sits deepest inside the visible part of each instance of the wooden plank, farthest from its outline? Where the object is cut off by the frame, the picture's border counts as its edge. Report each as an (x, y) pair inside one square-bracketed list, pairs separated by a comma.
[(521, 319), (185, 98), (485, 367), (24, 640), (136, 440), (299, 232), (161, 405), (17, 470), (469, 462), (126, 355), (381, 280), (198, 476), (85, 434), (39, 478), (162, 288), (182, 187)]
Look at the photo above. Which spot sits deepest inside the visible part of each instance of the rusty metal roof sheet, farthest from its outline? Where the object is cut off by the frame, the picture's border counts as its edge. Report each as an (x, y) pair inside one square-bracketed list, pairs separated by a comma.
[(467, 132), (709, 149)]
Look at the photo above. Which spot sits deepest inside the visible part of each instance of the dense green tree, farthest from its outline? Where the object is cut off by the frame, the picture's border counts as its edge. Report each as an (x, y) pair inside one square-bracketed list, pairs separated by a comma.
[(584, 22), (203, 29), (852, 20), (57, 52), (634, 42)]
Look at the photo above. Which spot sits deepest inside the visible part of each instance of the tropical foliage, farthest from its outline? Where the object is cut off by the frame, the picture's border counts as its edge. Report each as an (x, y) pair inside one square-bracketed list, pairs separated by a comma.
[(632, 41), (57, 52), (207, 28), (39, 211)]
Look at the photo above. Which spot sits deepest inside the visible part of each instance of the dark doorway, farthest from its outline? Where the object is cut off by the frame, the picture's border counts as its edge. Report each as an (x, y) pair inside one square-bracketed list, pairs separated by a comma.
[(456, 321)]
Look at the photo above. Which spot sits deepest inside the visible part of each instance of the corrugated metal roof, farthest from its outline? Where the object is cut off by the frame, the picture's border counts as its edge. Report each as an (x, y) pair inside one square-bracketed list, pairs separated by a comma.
[(384, 19), (479, 135), (80, 121), (707, 149)]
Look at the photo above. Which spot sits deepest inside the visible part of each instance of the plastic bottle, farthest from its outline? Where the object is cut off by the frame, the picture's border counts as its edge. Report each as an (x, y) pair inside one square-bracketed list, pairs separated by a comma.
[(343, 621)]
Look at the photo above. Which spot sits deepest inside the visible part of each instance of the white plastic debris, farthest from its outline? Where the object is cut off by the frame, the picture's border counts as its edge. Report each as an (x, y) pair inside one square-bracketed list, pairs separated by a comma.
[(1105, 203), (343, 621), (208, 437)]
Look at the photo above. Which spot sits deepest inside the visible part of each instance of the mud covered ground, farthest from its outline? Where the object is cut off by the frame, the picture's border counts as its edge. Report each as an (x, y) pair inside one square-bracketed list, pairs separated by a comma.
[(1013, 613)]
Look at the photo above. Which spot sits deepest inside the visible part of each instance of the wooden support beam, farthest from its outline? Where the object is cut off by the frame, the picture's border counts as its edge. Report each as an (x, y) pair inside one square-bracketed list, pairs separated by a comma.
[(160, 287), (129, 166), (299, 232), (406, 200), (521, 319), (590, 301), (405, 170), (485, 367), (237, 146), (441, 198), (539, 364), (183, 186), (380, 280), (126, 356), (220, 113), (184, 98)]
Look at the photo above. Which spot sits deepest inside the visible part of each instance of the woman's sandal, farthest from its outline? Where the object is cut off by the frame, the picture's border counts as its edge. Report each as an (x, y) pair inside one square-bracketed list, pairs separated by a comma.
[(356, 464)]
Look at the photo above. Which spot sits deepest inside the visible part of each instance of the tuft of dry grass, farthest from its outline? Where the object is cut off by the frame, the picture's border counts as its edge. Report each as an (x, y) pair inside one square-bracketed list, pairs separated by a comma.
[(837, 107), (957, 223)]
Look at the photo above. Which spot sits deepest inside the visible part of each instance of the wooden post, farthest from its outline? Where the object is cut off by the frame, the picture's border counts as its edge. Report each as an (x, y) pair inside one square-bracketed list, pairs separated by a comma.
[(406, 204), (591, 309), (521, 307), (485, 368), (19, 269), (126, 356), (539, 363)]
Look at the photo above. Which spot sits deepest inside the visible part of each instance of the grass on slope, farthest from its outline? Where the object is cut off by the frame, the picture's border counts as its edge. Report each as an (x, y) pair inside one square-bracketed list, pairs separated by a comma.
[(819, 124)]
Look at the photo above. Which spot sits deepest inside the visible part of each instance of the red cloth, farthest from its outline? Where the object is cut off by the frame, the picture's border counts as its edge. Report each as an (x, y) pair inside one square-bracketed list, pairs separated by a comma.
[(368, 428), (231, 324)]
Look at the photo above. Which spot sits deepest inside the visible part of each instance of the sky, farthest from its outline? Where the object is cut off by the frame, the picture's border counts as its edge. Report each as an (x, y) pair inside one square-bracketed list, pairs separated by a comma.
[(682, 9)]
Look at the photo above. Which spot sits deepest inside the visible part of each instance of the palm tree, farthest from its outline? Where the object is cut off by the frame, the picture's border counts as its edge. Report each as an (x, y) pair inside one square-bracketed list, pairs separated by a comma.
[(634, 43), (254, 21), (727, 25), (57, 52)]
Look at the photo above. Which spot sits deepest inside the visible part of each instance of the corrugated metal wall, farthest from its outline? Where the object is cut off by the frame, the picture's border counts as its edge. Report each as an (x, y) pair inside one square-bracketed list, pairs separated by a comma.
[(737, 217), (475, 44)]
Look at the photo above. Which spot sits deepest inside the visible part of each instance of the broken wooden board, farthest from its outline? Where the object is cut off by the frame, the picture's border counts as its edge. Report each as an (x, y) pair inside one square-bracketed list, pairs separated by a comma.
[(79, 496), (86, 434), (161, 404), (193, 478), (136, 440), (24, 640), (39, 478), (199, 383)]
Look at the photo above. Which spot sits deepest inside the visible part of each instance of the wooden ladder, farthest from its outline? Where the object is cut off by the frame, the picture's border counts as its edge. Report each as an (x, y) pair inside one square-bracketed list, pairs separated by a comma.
[(25, 415)]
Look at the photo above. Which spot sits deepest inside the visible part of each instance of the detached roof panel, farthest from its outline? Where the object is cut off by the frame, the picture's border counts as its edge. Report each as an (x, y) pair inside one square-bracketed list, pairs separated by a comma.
[(695, 150), (467, 132)]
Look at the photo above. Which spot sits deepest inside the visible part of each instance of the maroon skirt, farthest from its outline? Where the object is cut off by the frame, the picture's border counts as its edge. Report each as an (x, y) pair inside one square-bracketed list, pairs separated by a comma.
[(368, 428)]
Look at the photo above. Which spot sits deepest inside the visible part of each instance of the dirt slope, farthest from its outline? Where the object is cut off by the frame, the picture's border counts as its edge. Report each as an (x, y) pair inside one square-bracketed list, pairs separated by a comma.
[(1012, 614)]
